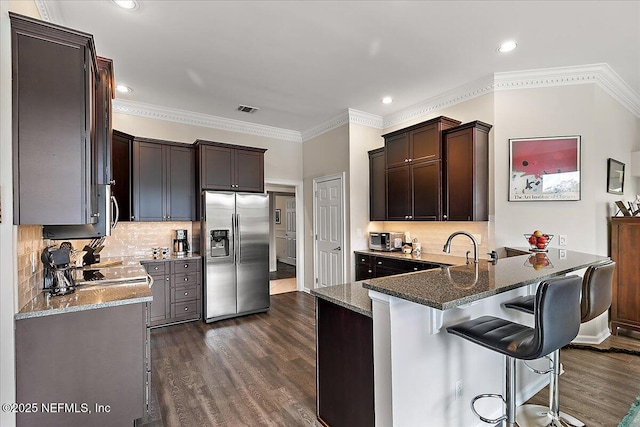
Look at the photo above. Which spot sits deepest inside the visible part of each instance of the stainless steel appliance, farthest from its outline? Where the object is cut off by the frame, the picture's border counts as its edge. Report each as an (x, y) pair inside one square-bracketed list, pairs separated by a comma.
[(108, 213), (181, 243), (386, 240), (234, 240)]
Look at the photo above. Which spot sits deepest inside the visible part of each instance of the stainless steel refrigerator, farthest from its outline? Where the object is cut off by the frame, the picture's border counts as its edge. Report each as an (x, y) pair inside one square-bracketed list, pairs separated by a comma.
[(235, 245)]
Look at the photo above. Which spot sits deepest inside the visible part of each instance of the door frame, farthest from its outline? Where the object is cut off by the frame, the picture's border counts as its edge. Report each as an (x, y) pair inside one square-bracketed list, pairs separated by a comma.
[(341, 176), (299, 196)]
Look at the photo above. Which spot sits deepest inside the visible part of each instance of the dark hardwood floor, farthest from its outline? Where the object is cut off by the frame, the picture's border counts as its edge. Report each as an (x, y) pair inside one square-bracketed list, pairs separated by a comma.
[(283, 271), (259, 370)]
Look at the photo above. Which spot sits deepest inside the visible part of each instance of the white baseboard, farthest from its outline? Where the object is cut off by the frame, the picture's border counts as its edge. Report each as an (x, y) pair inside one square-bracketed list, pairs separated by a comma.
[(591, 339)]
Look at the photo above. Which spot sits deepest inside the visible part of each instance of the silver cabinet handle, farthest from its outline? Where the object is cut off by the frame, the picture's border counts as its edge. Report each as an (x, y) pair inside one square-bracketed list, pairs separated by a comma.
[(186, 294), (186, 309), (114, 201), (166, 278), (379, 262), (155, 268), (186, 279)]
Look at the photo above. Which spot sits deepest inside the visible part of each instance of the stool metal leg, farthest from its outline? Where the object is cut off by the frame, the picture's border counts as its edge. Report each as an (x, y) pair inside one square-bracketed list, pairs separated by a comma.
[(510, 392), (540, 416)]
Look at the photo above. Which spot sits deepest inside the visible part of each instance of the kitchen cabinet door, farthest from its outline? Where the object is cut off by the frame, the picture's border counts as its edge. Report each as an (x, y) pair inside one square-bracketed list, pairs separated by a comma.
[(425, 185), (398, 194), (180, 180), (425, 143), (249, 170), (217, 168), (102, 161), (121, 164), (148, 181), (466, 191), (625, 306), (397, 150), (377, 190), (53, 83)]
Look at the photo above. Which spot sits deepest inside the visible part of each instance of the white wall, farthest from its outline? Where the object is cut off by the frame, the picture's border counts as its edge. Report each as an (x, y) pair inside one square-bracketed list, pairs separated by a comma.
[(361, 140), (607, 130), (324, 155)]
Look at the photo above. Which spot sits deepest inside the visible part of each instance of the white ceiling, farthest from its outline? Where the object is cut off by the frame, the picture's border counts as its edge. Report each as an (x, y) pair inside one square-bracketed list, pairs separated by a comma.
[(304, 62)]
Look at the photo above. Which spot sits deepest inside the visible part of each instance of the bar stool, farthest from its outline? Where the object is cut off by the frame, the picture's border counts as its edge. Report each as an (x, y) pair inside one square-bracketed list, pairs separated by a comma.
[(595, 300), (557, 320)]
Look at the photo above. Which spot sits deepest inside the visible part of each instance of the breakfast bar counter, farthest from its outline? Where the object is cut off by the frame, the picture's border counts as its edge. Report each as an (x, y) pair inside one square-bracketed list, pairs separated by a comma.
[(424, 375)]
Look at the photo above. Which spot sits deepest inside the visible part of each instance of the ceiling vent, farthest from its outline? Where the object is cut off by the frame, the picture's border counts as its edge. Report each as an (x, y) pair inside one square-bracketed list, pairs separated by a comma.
[(247, 109)]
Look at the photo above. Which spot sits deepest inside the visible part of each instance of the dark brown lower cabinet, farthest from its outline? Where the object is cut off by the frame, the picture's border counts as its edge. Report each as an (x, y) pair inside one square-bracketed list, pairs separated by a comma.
[(372, 266), (625, 307), (344, 366), (84, 368)]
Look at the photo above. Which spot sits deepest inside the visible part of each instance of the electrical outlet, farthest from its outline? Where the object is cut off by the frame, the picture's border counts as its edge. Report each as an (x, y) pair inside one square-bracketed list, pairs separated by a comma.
[(562, 254), (458, 389), (562, 240)]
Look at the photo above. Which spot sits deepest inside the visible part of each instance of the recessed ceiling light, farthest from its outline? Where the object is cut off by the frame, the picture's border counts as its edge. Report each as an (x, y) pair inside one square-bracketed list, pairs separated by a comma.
[(507, 46), (387, 100), (123, 89), (127, 4)]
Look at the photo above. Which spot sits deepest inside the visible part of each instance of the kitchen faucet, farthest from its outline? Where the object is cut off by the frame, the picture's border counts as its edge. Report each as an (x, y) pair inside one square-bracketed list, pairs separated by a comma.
[(447, 246)]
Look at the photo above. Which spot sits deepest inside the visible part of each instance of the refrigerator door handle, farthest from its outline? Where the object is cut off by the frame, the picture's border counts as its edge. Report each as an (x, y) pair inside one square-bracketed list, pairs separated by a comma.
[(233, 230), (239, 238)]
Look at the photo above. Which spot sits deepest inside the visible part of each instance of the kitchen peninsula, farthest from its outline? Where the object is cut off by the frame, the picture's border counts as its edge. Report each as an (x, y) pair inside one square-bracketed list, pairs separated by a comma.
[(416, 364)]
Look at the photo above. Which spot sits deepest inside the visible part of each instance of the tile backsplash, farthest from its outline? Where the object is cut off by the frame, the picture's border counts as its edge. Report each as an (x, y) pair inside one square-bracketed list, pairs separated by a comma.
[(30, 244), (138, 238), (433, 235)]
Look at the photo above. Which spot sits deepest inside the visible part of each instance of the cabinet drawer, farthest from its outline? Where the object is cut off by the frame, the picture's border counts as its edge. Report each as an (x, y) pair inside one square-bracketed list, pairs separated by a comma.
[(186, 266), (185, 279), (363, 259), (185, 293), (185, 309), (155, 268)]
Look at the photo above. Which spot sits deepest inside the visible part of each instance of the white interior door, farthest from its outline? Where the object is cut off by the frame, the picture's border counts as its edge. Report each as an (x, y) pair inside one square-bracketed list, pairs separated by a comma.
[(290, 219), (329, 231)]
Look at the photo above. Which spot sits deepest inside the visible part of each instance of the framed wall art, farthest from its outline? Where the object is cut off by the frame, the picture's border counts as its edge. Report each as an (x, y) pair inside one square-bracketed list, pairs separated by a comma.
[(615, 177), (544, 169)]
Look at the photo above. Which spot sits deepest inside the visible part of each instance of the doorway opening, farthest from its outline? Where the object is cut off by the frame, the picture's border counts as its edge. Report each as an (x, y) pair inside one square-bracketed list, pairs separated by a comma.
[(283, 271)]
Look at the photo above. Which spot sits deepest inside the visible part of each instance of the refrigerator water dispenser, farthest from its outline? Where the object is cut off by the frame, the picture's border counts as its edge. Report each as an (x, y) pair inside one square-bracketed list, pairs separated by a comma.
[(219, 243)]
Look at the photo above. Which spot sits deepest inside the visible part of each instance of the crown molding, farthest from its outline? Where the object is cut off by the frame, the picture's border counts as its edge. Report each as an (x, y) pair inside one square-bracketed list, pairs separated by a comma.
[(205, 120), (49, 11), (601, 75), (364, 118), (460, 94), (333, 123)]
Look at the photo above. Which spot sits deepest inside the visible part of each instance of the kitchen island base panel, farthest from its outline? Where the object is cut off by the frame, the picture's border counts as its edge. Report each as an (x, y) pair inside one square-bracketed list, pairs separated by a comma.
[(416, 367)]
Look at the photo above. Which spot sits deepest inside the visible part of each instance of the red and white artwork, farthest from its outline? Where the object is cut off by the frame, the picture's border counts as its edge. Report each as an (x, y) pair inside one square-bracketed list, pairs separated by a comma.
[(544, 169)]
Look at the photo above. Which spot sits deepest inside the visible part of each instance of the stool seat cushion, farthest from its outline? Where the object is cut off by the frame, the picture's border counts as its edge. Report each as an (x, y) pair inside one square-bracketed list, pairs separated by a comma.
[(494, 333)]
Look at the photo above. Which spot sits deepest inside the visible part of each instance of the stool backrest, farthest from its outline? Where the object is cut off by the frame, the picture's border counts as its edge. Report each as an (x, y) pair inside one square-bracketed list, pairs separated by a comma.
[(557, 315), (596, 290)]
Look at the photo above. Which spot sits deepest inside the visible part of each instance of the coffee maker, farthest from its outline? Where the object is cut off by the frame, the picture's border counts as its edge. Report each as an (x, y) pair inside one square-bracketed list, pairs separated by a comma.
[(181, 243), (58, 279)]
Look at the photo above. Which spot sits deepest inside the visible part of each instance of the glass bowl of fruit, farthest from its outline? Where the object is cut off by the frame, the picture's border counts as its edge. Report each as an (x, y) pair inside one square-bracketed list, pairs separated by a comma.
[(538, 241)]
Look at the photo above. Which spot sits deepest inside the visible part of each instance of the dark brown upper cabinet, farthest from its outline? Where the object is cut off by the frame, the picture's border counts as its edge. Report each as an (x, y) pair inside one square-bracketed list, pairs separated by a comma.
[(163, 181), (414, 171), (466, 172), (54, 123), (121, 163), (105, 93), (230, 167), (377, 190)]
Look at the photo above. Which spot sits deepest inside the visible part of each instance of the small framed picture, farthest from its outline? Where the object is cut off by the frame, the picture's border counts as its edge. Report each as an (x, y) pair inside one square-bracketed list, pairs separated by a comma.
[(615, 177), (278, 216)]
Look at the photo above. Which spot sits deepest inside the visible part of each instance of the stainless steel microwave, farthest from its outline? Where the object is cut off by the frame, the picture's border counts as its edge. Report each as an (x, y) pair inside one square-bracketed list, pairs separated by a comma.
[(386, 241)]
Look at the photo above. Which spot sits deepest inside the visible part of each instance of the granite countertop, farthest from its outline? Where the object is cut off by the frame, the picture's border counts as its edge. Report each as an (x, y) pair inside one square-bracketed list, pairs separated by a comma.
[(450, 287), (349, 295), (149, 259), (125, 283), (441, 259)]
